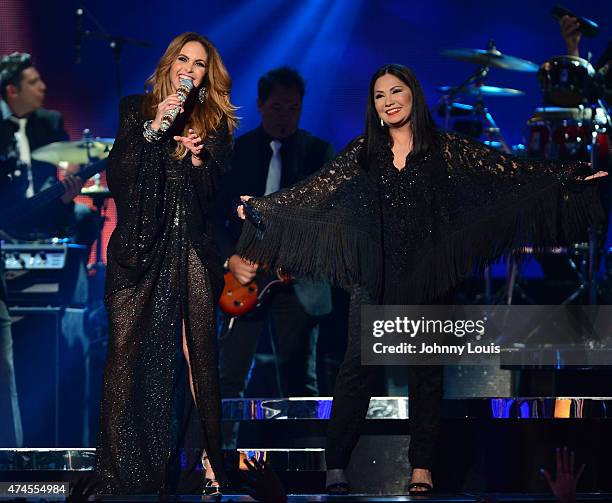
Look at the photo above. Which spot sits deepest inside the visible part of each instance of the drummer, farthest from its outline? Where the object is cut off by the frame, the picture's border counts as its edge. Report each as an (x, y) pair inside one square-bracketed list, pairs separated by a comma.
[(570, 31), (24, 127)]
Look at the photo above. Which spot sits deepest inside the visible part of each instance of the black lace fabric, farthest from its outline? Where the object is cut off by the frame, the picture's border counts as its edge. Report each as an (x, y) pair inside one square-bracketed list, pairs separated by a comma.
[(410, 236), (322, 226), (163, 272)]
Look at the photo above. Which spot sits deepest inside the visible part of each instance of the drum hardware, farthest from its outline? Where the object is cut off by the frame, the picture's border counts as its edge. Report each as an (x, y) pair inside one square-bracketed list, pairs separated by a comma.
[(98, 195), (474, 85), (114, 42), (491, 57), (97, 316), (483, 120), (477, 90), (89, 152), (570, 134), (579, 257), (455, 109), (83, 151), (572, 125), (599, 114), (58, 153)]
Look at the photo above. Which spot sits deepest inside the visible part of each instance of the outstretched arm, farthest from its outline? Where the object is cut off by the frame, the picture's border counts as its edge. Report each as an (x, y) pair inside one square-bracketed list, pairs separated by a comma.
[(492, 203), (325, 226)]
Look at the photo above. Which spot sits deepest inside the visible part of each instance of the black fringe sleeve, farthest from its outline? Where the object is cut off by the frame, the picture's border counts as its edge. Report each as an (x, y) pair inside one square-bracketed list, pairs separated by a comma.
[(492, 203), (326, 226)]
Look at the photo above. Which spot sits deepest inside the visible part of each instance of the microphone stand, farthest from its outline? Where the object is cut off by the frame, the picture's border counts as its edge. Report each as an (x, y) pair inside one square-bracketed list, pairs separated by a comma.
[(115, 42)]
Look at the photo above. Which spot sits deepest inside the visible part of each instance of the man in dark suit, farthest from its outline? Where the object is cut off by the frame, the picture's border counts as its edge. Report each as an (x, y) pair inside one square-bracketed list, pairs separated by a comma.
[(25, 126), (272, 156)]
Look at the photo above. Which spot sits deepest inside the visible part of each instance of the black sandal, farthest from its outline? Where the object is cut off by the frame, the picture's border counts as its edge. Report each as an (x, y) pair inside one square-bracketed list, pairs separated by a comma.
[(338, 489), (422, 485), (212, 488)]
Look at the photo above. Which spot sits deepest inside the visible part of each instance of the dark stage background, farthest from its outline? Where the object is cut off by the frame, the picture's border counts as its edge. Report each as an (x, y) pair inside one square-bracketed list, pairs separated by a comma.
[(336, 45)]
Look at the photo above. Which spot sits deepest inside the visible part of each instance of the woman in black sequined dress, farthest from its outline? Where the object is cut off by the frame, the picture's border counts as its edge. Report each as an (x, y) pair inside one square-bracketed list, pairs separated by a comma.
[(163, 276), (401, 216)]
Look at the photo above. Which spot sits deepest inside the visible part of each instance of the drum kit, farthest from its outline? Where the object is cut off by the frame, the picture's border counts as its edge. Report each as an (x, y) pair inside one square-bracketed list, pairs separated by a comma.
[(87, 153), (573, 123)]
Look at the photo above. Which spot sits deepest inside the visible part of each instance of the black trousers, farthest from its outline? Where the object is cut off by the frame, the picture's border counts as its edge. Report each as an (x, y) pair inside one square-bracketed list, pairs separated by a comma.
[(352, 397), (295, 336)]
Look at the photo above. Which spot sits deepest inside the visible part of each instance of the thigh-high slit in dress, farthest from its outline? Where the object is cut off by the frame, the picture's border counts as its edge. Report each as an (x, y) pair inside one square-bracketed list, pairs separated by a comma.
[(162, 272)]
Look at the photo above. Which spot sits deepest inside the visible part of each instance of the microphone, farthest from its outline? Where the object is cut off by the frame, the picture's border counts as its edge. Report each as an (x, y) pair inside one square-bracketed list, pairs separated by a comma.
[(587, 27), (77, 36), (252, 216), (185, 87)]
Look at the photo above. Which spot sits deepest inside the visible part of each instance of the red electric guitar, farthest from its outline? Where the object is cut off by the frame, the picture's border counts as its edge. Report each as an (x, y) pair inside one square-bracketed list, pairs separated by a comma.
[(238, 299)]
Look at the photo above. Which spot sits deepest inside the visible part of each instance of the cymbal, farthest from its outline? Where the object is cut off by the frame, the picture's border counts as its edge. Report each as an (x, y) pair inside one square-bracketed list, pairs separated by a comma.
[(491, 58), (483, 90), (74, 152), (579, 114), (96, 191)]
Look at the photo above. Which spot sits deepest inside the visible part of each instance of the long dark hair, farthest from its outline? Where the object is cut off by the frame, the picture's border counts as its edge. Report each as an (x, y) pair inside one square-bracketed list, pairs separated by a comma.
[(423, 126)]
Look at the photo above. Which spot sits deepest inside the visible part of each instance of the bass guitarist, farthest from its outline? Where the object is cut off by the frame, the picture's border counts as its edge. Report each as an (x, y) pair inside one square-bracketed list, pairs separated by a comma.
[(267, 158)]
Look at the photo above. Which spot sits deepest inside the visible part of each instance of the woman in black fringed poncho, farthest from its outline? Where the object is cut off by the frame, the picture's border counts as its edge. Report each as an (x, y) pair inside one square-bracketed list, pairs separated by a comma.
[(400, 216), (163, 277)]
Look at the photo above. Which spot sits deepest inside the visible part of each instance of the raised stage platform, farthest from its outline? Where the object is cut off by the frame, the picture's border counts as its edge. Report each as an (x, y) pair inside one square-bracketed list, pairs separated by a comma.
[(488, 446)]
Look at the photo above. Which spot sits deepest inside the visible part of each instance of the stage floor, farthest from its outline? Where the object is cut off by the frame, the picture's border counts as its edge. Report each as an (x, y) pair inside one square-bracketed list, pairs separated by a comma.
[(442, 498)]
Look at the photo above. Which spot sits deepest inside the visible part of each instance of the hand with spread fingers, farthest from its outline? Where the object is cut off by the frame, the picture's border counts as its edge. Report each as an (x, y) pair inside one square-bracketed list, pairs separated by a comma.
[(564, 485), (193, 143), (262, 482)]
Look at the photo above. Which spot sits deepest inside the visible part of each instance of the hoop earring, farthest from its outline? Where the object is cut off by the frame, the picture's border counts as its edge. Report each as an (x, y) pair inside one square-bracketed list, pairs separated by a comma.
[(382, 123), (202, 93)]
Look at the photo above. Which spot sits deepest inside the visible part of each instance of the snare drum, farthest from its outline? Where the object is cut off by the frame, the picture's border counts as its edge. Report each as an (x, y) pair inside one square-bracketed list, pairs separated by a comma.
[(566, 81)]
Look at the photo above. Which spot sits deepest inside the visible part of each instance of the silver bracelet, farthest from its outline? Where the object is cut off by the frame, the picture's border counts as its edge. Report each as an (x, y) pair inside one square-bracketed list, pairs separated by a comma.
[(150, 134)]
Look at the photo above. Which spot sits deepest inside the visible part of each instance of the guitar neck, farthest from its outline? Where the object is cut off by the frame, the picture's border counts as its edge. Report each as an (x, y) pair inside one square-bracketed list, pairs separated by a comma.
[(48, 195)]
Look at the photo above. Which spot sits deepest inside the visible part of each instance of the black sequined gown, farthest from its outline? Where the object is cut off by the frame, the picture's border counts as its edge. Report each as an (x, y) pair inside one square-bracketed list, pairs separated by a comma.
[(408, 237), (162, 269)]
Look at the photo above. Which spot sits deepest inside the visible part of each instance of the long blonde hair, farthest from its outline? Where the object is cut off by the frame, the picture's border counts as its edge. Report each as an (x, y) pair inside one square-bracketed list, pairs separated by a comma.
[(207, 116)]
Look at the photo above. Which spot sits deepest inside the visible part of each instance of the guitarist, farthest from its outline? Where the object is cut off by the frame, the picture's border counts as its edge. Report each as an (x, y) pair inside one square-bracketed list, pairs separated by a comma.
[(24, 127), (274, 155)]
